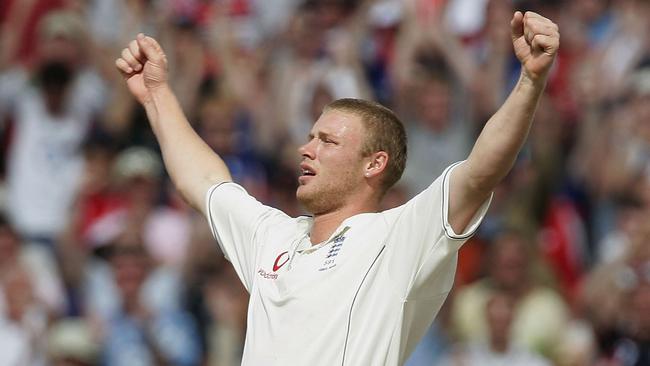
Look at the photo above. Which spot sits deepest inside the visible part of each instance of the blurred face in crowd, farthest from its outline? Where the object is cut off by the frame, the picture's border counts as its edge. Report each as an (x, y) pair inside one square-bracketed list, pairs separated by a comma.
[(322, 97), (640, 309), (8, 245), (641, 109), (58, 60), (590, 10), (332, 168), (130, 266), (17, 288), (97, 169), (60, 49), (434, 105), (510, 262), (637, 304), (499, 315), (307, 35), (329, 12), (218, 127), (141, 192)]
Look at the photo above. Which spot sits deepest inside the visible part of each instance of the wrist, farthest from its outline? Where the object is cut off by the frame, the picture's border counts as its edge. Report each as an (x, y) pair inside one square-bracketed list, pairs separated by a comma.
[(534, 82), (160, 91), (157, 94)]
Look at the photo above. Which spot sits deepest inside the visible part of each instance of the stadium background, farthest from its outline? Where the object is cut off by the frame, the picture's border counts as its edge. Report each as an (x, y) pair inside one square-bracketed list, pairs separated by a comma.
[(101, 262)]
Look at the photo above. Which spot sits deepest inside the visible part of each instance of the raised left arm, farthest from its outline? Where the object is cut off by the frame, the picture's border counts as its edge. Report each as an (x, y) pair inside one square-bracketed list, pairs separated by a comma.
[(535, 40)]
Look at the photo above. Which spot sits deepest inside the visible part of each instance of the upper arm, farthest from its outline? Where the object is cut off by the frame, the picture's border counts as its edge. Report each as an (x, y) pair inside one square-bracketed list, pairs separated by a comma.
[(235, 218), (465, 197), (422, 244)]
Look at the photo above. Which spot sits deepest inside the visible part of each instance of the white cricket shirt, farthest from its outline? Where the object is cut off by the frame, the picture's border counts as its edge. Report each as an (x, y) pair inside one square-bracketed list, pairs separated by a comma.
[(365, 296)]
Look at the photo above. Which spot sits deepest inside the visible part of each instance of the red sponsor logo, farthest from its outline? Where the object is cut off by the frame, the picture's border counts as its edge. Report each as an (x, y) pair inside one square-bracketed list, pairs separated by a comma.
[(280, 261)]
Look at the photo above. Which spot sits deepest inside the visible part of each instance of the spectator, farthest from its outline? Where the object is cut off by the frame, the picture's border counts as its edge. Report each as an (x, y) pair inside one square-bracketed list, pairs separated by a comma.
[(50, 119), (540, 314), (137, 334), (499, 348)]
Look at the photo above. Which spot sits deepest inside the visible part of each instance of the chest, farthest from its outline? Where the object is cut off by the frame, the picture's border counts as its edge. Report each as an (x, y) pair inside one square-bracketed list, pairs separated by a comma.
[(300, 272), (38, 128)]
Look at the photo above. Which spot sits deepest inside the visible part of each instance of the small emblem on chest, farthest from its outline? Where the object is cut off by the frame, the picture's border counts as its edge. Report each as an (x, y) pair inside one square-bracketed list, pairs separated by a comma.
[(335, 249), (280, 261)]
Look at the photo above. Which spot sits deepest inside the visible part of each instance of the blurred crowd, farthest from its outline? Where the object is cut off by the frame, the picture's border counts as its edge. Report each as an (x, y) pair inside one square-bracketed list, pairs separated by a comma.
[(102, 263)]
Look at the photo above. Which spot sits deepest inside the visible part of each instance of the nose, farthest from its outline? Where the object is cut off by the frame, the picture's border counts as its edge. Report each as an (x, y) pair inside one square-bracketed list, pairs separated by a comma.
[(307, 150)]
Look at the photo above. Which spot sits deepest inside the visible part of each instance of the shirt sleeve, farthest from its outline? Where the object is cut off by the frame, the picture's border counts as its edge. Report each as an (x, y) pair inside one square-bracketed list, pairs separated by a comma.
[(235, 218), (422, 247)]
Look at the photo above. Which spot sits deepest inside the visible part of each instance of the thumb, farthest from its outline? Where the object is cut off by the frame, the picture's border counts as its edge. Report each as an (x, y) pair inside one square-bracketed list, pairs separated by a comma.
[(151, 49), (517, 25)]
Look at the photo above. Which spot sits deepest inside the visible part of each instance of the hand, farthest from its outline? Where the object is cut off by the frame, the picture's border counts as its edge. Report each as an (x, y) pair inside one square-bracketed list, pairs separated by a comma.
[(536, 41), (144, 67)]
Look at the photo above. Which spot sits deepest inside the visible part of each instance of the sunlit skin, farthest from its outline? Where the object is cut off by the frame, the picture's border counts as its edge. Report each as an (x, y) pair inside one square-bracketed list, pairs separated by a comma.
[(336, 181)]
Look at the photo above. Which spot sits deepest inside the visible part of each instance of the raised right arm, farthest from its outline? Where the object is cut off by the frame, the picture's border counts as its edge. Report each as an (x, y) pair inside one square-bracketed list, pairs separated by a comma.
[(190, 162)]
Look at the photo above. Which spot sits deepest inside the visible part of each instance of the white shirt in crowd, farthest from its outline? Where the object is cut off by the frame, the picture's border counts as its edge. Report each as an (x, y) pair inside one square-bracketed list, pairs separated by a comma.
[(45, 160), (365, 296)]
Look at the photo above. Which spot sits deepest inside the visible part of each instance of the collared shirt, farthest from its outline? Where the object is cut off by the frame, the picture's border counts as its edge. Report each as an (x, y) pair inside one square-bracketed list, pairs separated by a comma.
[(365, 296)]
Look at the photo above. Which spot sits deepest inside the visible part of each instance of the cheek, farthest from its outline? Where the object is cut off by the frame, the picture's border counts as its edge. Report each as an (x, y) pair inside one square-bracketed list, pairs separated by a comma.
[(343, 165)]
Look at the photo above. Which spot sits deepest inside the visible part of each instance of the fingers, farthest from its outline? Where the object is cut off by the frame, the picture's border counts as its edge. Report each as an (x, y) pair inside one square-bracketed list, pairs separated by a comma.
[(535, 24), (130, 59), (151, 49), (545, 44), (123, 67), (138, 52), (517, 25)]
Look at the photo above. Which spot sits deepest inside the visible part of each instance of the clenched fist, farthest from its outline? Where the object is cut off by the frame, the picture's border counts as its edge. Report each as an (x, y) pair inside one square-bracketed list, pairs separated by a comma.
[(536, 40), (144, 66)]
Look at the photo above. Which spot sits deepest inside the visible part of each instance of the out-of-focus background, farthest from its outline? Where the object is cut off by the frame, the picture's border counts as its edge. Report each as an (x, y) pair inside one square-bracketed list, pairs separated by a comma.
[(102, 263)]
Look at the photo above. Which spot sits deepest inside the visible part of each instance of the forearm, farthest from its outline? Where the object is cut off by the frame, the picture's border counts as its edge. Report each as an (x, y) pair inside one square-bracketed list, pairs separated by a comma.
[(535, 41), (503, 136), (493, 154), (190, 162)]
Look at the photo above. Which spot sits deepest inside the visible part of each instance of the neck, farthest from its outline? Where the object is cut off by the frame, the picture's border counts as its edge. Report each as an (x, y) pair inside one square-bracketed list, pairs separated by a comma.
[(325, 223)]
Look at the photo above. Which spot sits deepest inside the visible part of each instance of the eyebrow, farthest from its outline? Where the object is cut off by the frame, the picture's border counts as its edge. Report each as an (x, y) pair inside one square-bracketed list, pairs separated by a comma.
[(321, 135)]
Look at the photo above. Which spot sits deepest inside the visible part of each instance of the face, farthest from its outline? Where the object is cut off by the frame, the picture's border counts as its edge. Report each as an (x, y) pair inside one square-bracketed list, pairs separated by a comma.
[(332, 168), (130, 273), (510, 262), (499, 313), (8, 246), (434, 102)]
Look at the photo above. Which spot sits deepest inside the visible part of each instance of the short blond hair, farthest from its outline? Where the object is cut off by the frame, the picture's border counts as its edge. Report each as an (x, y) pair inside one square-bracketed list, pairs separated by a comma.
[(385, 132)]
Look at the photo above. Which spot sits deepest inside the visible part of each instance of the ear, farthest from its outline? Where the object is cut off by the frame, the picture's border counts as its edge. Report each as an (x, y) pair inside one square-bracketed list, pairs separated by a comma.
[(376, 164)]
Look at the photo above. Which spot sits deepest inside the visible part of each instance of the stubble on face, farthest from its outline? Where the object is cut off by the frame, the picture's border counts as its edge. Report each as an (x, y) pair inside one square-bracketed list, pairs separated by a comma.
[(339, 167)]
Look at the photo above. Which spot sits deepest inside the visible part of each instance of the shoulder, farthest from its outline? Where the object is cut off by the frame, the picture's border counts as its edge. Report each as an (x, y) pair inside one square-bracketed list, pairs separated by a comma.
[(231, 202)]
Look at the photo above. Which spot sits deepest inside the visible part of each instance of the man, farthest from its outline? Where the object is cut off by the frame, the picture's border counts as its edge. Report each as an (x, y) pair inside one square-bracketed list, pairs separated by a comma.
[(350, 285), (49, 110), (498, 348)]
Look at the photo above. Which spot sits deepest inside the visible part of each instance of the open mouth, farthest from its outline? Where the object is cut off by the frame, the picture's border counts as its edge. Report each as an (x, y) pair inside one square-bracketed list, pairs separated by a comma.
[(306, 172)]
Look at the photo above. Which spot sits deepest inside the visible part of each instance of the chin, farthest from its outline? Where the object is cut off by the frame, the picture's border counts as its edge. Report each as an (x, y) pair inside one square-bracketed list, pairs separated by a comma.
[(313, 202), (304, 197)]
